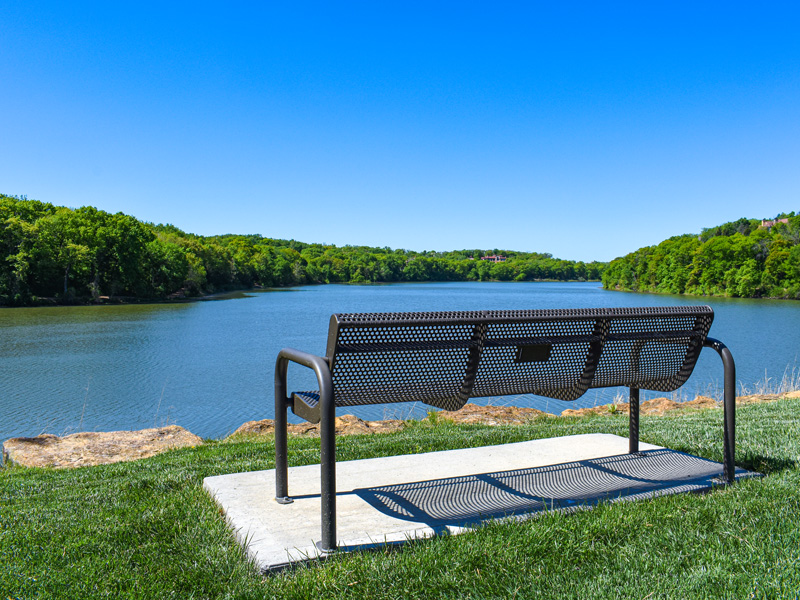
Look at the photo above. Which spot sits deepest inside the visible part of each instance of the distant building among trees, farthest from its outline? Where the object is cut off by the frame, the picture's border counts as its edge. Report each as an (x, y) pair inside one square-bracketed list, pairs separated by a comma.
[(773, 222)]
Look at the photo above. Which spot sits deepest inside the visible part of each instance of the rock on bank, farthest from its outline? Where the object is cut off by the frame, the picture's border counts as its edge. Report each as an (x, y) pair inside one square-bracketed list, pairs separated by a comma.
[(95, 448)]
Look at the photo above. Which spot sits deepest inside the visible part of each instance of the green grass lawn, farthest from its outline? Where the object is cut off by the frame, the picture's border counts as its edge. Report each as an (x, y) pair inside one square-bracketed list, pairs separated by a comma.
[(147, 529)]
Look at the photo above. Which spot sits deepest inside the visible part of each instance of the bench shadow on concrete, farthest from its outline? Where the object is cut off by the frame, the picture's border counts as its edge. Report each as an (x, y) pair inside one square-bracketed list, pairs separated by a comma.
[(474, 499)]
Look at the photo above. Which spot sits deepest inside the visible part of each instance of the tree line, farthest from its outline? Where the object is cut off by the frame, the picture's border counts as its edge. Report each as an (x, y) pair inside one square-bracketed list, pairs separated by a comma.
[(743, 258), (86, 254)]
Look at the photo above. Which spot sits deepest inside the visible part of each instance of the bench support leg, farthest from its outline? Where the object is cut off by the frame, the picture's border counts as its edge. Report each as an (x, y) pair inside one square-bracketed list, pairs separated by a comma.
[(729, 408), (633, 427), (327, 434), (281, 435)]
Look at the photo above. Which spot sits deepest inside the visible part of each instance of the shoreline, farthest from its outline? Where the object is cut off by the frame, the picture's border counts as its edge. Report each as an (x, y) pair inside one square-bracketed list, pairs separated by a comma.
[(48, 302), (99, 448), (683, 295)]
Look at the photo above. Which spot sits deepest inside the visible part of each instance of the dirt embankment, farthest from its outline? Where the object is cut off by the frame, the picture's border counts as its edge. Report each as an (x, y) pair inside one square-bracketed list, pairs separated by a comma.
[(95, 448)]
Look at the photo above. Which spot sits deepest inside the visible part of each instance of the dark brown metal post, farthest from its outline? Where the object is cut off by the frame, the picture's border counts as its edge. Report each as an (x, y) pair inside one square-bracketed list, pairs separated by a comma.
[(281, 433), (327, 434), (729, 408), (633, 426)]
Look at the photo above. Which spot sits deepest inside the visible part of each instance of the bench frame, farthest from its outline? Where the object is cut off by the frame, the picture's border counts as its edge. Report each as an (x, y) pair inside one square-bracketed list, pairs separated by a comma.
[(325, 411)]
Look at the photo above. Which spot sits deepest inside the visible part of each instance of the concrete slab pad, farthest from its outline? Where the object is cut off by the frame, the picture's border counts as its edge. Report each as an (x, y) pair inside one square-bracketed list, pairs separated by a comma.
[(397, 498)]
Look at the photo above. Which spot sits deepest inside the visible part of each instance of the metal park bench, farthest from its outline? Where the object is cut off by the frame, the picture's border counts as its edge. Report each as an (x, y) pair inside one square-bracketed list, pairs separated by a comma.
[(445, 358)]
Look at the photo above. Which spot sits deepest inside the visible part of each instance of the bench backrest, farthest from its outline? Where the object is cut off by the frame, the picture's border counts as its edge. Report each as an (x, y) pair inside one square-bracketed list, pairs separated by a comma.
[(445, 358)]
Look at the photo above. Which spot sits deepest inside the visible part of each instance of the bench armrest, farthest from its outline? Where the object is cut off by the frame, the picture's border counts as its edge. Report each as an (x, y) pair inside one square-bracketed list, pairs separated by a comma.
[(325, 414), (318, 364)]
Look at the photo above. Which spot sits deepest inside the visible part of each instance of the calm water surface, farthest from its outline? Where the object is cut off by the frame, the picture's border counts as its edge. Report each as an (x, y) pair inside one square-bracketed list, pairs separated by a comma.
[(208, 366)]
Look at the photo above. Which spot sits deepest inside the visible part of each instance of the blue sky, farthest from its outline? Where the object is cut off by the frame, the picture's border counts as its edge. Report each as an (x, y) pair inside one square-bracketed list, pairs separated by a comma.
[(581, 129)]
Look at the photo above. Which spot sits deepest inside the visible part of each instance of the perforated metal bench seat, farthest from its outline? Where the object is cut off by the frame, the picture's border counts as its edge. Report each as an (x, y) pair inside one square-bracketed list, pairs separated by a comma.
[(445, 358)]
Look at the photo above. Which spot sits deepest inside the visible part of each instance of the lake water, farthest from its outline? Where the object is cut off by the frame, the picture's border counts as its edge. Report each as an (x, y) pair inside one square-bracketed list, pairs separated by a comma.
[(208, 366)]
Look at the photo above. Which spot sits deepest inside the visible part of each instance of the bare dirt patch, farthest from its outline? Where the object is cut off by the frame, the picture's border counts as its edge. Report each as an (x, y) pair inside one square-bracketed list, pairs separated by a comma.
[(493, 415), (352, 425), (345, 425), (662, 406)]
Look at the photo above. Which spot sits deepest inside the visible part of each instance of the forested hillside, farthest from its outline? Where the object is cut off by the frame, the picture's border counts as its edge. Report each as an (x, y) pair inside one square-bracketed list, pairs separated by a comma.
[(85, 254), (747, 258)]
